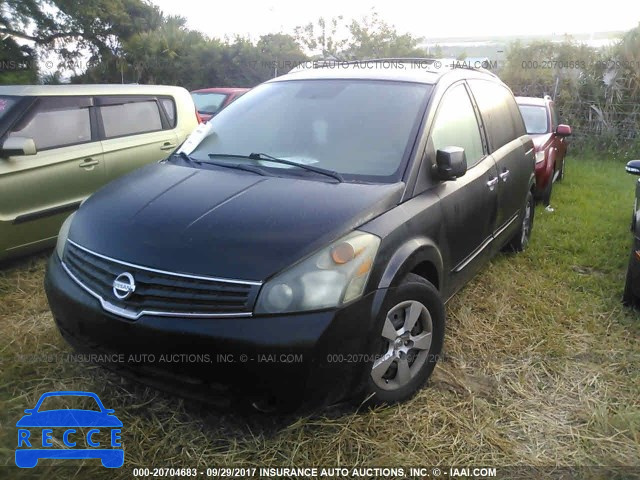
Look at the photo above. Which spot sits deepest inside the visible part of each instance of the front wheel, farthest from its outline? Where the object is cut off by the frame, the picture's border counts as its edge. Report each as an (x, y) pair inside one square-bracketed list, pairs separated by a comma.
[(521, 239), (561, 172), (409, 343), (629, 299), (546, 194)]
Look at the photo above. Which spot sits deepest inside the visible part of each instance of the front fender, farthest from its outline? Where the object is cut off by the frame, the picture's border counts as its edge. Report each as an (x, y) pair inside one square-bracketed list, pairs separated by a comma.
[(410, 254)]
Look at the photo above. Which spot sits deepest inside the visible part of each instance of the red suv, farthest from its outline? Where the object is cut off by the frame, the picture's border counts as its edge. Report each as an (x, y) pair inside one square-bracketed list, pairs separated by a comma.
[(549, 142), (209, 101)]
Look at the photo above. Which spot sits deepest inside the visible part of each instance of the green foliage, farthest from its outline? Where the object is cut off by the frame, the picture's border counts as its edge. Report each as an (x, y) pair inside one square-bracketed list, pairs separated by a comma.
[(279, 53), (17, 63), (71, 28), (175, 55), (597, 91), (369, 37), (374, 38), (321, 38)]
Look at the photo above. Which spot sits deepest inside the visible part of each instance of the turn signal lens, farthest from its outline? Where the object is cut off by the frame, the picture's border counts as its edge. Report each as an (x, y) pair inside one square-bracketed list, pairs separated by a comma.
[(364, 267)]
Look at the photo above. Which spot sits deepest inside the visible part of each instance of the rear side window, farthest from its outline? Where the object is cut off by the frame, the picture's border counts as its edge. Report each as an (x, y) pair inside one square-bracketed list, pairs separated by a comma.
[(170, 110), (130, 118), (56, 122), (456, 125), (499, 110)]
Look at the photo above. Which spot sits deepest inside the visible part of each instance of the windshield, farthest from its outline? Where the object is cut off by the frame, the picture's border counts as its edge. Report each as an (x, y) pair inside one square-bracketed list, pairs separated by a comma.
[(360, 129), (5, 105), (535, 119), (208, 103)]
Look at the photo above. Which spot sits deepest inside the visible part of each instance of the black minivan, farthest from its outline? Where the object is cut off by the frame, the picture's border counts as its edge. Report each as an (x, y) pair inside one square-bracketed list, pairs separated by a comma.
[(299, 248)]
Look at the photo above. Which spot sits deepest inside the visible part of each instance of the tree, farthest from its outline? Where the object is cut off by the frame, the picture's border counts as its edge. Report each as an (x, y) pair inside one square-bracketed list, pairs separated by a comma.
[(321, 38), (18, 64), (372, 37), (628, 52), (369, 37), (279, 53), (70, 27), (164, 54)]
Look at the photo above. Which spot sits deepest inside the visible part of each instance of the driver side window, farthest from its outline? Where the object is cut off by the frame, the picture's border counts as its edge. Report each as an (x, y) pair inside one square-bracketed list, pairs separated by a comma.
[(57, 122), (456, 125)]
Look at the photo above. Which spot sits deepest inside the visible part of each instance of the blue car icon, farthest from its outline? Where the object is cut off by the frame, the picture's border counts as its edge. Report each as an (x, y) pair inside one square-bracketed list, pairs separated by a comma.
[(32, 446)]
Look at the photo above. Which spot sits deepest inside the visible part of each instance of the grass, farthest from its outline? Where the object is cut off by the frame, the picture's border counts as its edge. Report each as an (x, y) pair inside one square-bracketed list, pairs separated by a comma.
[(542, 367)]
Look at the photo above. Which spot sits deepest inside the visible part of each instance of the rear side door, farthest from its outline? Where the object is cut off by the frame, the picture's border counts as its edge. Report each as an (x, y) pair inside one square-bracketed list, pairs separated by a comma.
[(508, 144), (135, 131), (37, 192), (468, 203)]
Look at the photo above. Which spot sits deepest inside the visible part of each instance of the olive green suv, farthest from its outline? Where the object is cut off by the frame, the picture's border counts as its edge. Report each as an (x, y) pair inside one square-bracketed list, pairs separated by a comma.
[(60, 143)]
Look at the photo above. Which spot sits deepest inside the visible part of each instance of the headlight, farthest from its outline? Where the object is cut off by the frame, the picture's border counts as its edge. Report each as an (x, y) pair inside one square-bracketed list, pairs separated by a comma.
[(62, 236), (540, 156), (335, 275)]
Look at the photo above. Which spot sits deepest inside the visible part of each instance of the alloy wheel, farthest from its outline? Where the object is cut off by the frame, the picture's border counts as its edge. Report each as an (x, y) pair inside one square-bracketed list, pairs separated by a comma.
[(406, 339)]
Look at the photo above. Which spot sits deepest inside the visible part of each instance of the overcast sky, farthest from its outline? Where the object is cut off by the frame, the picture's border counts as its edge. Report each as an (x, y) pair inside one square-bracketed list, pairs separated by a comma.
[(449, 18)]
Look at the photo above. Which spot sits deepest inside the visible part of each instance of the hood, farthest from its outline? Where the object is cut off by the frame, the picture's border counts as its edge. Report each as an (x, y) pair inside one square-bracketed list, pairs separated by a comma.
[(540, 141), (221, 222), (69, 418)]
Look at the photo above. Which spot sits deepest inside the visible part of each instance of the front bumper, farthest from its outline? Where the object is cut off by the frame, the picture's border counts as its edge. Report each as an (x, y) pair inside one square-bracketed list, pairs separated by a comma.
[(544, 175), (281, 361)]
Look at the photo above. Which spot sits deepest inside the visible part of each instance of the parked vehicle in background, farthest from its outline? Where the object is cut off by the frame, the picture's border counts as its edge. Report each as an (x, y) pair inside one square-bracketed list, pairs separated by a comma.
[(549, 140), (60, 143), (210, 101), (631, 295), (317, 228)]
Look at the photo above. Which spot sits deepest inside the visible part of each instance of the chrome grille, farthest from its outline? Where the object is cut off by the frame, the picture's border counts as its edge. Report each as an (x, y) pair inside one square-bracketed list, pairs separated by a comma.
[(158, 292)]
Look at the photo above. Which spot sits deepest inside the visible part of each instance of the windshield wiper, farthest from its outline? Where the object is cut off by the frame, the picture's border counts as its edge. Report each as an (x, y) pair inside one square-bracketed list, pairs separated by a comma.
[(237, 166), (321, 171)]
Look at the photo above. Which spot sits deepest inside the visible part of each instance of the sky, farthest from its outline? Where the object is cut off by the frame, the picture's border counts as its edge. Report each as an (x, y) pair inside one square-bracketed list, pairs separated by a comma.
[(452, 18)]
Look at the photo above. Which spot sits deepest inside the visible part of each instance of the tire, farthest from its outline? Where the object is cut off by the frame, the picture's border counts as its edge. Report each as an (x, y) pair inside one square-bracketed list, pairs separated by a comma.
[(409, 343), (561, 172), (521, 239), (546, 194), (628, 297)]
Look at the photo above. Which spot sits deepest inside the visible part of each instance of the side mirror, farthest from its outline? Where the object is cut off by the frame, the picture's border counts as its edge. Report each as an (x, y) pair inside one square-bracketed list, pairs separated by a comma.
[(18, 146), (563, 130), (451, 163), (633, 167)]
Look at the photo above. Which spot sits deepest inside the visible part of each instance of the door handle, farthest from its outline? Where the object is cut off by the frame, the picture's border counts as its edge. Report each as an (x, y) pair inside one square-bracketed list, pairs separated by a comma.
[(492, 183), (89, 163), (168, 146), (504, 175)]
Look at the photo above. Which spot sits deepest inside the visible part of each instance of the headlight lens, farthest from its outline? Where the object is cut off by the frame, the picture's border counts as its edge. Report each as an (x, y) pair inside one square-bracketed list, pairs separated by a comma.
[(335, 275), (539, 156), (62, 236)]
